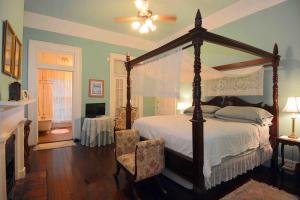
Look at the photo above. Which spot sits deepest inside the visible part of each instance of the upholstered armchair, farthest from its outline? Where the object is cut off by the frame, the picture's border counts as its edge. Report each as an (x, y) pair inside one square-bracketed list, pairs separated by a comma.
[(139, 159), (120, 121)]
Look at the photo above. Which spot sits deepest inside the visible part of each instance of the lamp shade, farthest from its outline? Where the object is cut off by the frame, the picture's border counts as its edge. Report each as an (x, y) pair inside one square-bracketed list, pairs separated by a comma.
[(181, 105), (292, 105)]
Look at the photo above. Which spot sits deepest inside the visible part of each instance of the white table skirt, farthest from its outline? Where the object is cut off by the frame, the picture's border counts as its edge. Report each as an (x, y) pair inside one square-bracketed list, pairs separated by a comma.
[(97, 131)]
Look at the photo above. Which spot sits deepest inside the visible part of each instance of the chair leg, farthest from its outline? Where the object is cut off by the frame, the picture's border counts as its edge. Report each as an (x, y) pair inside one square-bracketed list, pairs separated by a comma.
[(132, 188), (117, 171), (159, 185), (116, 175)]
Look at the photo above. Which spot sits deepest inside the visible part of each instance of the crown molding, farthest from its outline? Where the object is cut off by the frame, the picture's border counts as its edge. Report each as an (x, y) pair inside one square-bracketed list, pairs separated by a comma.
[(52, 24), (231, 13)]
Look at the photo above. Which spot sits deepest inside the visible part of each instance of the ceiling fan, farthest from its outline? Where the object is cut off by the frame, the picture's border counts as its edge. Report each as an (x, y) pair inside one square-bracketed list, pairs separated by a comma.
[(145, 18)]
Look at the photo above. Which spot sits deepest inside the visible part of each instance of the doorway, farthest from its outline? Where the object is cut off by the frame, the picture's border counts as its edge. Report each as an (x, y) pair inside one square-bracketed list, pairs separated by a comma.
[(54, 106), (52, 67), (118, 84)]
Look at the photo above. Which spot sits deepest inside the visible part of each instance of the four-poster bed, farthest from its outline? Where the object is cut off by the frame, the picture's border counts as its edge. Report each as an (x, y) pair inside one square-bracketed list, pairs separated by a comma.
[(192, 169)]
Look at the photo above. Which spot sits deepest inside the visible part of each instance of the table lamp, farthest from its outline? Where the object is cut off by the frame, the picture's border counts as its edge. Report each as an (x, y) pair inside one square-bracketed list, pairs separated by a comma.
[(181, 106), (292, 106)]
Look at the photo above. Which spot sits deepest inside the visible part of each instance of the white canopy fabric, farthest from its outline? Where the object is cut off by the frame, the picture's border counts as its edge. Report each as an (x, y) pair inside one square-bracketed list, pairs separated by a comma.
[(161, 77), (158, 77)]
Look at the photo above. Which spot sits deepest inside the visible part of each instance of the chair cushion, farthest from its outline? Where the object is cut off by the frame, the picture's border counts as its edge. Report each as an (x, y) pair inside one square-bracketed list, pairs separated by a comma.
[(126, 141), (128, 161)]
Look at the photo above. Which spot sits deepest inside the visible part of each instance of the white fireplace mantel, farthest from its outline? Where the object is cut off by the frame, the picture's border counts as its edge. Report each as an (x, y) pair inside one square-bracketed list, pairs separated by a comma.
[(12, 122), (6, 104)]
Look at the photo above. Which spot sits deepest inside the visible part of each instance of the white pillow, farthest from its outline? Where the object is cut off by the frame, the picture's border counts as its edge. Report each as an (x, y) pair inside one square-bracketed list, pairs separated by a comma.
[(244, 114)]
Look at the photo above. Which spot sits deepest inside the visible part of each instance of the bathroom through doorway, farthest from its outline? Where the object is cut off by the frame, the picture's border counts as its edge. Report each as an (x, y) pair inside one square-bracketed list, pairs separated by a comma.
[(54, 106)]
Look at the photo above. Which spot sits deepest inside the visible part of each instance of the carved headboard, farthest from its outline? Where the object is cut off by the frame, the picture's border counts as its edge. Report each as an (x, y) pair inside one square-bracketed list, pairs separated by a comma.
[(216, 101)]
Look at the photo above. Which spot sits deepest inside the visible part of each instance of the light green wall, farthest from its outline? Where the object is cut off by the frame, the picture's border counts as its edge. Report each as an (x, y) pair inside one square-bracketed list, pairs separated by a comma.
[(94, 62), (13, 11), (277, 24)]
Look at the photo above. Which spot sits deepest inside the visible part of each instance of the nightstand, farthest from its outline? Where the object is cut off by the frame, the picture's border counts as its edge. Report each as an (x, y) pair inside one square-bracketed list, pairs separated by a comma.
[(285, 140)]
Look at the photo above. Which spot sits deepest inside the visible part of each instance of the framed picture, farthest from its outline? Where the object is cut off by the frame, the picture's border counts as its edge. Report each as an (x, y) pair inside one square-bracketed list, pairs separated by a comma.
[(25, 95), (8, 49), (96, 88), (16, 72)]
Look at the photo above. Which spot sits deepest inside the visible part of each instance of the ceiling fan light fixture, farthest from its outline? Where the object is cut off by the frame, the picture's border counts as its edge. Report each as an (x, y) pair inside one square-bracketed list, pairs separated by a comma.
[(154, 17), (145, 20), (136, 25), (141, 5), (148, 22), (144, 29), (153, 27)]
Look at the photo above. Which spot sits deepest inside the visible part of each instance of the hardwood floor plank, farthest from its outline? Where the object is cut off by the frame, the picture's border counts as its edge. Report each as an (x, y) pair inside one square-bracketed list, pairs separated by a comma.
[(83, 173)]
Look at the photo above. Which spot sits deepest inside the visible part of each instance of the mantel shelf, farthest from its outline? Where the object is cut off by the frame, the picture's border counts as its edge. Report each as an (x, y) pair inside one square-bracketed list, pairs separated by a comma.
[(16, 103)]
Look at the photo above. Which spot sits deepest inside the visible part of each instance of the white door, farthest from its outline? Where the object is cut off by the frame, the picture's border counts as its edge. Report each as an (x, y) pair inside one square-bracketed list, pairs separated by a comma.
[(118, 86), (44, 55), (165, 106)]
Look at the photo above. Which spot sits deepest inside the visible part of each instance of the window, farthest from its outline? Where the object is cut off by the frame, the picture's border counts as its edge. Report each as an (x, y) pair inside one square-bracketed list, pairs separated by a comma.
[(53, 58)]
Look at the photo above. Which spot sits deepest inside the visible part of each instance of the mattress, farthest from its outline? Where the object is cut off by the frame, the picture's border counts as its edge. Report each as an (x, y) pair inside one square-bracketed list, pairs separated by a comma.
[(221, 138)]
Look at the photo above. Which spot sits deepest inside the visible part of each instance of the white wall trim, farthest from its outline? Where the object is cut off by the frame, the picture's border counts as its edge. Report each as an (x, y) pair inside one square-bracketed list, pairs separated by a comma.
[(112, 86), (112, 92), (52, 24), (227, 15), (33, 67)]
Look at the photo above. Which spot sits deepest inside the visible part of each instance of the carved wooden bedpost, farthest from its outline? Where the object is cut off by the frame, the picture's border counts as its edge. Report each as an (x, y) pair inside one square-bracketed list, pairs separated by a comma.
[(275, 127), (128, 104), (197, 120)]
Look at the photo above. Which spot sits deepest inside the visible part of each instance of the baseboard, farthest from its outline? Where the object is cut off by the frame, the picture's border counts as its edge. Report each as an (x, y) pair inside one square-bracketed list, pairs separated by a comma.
[(21, 174)]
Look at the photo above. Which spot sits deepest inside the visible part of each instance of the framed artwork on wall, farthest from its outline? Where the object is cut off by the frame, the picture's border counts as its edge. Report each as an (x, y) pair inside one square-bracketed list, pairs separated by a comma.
[(96, 88), (17, 59), (8, 49)]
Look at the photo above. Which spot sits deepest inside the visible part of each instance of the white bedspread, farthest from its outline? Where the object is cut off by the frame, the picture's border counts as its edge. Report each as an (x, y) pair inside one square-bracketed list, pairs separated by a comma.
[(221, 138)]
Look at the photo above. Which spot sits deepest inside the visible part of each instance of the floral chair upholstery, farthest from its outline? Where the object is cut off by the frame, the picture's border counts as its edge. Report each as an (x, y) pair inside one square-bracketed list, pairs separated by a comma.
[(140, 159), (121, 117)]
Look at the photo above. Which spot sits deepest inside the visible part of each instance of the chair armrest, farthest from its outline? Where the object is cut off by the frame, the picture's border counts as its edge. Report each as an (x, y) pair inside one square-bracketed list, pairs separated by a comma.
[(126, 141), (150, 159)]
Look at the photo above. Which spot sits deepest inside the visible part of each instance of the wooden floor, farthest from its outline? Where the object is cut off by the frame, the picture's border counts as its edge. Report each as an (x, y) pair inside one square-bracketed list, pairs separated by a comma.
[(34, 186), (47, 137), (86, 173)]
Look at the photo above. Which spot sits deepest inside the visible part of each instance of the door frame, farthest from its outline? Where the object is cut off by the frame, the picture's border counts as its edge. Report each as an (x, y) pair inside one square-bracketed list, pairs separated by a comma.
[(34, 47), (112, 99)]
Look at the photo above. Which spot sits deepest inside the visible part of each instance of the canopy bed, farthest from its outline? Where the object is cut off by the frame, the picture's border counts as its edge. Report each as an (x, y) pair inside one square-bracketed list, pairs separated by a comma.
[(191, 164)]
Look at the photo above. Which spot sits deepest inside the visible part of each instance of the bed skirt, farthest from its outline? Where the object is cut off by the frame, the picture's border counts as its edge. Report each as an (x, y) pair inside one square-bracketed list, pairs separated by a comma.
[(234, 166), (230, 167)]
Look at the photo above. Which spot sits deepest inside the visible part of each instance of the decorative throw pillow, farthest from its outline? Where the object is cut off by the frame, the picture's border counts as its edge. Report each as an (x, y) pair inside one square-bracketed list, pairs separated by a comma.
[(245, 114)]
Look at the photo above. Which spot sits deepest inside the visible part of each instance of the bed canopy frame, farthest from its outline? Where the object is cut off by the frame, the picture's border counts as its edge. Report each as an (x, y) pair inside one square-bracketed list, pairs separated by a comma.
[(192, 169)]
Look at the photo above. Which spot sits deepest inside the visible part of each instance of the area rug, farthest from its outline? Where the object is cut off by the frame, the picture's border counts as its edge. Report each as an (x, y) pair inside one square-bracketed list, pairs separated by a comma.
[(254, 190), (60, 131), (54, 145)]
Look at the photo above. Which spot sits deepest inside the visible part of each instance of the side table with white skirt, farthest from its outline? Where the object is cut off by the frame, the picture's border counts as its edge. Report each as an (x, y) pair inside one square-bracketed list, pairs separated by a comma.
[(97, 131)]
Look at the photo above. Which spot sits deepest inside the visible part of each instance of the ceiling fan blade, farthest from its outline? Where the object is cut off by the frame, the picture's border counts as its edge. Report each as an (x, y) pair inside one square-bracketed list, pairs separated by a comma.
[(126, 19), (164, 17)]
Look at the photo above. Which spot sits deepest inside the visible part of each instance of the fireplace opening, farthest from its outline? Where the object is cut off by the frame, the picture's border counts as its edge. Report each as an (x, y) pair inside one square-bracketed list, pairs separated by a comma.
[(10, 165)]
